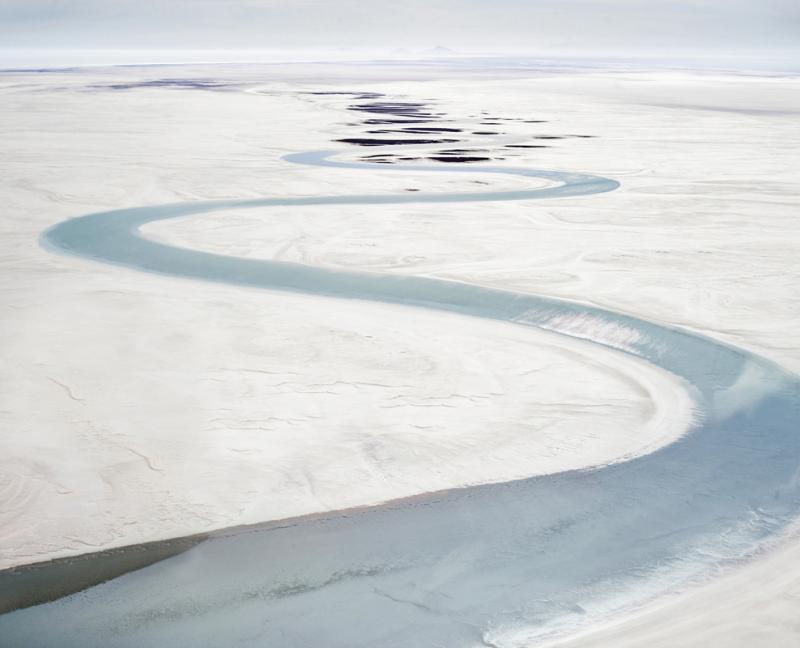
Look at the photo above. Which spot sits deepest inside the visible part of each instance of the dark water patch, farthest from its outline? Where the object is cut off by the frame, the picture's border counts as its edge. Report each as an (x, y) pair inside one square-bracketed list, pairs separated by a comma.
[(187, 84), (462, 151), (391, 105), (387, 157), (410, 189), (486, 133), (351, 94), (432, 117), (381, 107), (528, 146), (381, 122), (396, 109), (366, 141), (415, 131), (549, 137), (431, 129), (29, 585), (429, 117), (583, 136), (459, 158), (534, 121)]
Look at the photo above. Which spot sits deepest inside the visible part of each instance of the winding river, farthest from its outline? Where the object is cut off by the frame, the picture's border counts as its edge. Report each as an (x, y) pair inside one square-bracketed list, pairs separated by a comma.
[(497, 565)]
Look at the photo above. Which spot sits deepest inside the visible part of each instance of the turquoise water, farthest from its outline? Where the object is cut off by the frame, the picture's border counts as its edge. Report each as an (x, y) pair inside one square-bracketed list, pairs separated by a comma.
[(469, 567)]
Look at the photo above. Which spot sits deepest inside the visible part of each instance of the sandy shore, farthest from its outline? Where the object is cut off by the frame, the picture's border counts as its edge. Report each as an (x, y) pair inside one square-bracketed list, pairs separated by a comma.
[(754, 605)]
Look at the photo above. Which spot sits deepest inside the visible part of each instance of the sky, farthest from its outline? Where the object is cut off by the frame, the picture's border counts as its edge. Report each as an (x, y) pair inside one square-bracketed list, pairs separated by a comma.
[(468, 26)]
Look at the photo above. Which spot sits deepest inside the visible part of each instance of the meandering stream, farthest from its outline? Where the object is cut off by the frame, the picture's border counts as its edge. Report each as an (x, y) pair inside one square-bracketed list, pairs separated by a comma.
[(494, 565)]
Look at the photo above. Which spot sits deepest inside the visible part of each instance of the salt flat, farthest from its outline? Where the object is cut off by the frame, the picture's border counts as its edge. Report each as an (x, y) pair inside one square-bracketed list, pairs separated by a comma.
[(123, 370)]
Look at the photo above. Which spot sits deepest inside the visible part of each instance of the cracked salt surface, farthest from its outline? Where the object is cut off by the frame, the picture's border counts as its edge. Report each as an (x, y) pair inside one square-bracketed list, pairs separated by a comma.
[(665, 287)]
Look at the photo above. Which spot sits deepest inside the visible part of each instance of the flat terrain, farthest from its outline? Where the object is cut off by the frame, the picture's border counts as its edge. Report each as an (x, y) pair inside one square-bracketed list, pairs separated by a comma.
[(141, 407)]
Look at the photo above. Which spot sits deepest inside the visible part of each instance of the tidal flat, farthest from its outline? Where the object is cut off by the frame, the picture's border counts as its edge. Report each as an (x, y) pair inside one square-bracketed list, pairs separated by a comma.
[(324, 404)]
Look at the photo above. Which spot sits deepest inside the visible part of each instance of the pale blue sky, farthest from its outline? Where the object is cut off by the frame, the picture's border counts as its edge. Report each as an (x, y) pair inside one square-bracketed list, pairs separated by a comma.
[(466, 25)]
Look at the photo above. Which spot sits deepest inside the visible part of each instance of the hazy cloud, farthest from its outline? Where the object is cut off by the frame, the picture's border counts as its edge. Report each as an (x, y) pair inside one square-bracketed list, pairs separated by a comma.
[(475, 25)]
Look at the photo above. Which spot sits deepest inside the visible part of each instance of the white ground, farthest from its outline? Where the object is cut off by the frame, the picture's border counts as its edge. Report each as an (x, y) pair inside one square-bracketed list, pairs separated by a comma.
[(136, 407), (755, 606)]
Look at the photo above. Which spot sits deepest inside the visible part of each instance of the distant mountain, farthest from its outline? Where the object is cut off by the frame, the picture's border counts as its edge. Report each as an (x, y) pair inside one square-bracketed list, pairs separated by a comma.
[(439, 50)]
